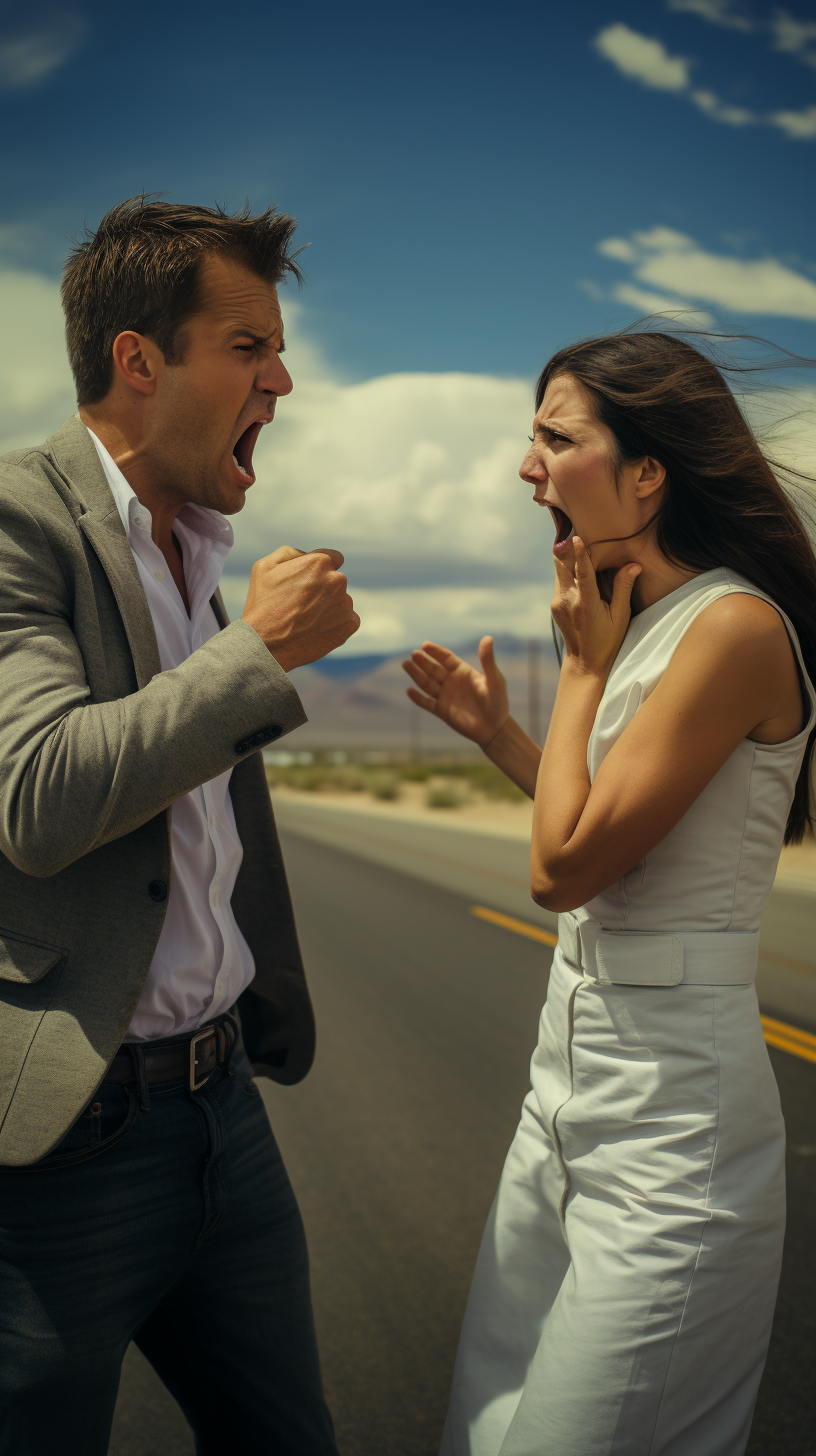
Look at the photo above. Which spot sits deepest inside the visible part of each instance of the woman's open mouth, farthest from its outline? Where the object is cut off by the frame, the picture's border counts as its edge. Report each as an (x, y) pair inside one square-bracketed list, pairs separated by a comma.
[(563, 529), (243, 448)]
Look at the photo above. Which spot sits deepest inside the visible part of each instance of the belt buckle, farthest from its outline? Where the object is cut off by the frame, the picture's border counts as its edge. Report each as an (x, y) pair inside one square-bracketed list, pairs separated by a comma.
[(194, 1040)]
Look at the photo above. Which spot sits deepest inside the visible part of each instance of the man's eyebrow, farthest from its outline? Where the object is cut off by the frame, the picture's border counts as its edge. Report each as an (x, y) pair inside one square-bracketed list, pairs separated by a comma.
[(239, 333)]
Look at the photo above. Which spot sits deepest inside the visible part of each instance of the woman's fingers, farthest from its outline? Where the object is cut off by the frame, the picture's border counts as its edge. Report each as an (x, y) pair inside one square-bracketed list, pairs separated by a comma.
[(442, 655), (563, 571), (421, 678), (427, 703), (487, 658), (584, 573), (620, 608), (429, 665)]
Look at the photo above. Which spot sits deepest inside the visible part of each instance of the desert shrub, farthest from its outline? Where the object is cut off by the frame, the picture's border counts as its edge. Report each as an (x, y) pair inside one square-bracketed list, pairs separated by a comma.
[(444, 796), (349, 780), (385, 786), (415, 773), (496, 785)]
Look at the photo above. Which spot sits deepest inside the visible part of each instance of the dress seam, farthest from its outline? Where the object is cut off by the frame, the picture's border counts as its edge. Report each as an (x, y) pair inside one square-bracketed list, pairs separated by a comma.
[(562, 1202), (745, 818), (702, 1234)]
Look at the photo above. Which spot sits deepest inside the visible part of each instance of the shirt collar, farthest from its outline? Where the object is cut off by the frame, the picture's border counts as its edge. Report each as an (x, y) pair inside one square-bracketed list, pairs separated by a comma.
[(201, 520)]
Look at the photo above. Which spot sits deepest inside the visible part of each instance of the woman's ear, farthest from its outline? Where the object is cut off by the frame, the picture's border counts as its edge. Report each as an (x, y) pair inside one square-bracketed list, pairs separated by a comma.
[(650, 477)]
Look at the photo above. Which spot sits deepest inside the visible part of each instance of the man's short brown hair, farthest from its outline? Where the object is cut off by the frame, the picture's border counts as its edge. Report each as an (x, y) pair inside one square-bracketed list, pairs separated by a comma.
[(141, 270)]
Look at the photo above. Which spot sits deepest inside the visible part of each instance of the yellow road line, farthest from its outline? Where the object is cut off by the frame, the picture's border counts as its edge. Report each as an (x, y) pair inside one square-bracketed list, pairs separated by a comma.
[(778, 960), (509, 922), (789, 1038), (777, 1033)]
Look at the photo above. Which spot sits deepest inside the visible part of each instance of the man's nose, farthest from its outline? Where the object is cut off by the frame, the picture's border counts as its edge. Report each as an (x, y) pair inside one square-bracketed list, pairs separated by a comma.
[(273, 377)]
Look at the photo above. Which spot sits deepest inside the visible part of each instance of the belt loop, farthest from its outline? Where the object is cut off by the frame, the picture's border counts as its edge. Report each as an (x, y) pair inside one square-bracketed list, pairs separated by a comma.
[(140, 1074), (230, 1027)]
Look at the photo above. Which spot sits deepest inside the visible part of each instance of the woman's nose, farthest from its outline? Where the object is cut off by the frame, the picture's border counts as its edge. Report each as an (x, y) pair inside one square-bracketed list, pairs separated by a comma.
[(532, 469)]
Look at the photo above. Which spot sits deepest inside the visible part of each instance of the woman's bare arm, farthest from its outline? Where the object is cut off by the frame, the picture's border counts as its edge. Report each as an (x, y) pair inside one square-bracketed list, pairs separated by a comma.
[(732, 676), (476, 705)]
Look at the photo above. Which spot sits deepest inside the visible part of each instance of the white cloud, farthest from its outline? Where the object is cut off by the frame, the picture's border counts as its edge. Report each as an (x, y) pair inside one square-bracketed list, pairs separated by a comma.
[(36, 388), (642, 59), (799, 125), (669, 260), (784, 421), (710, 103), (32, 54), (413, 476), (648, 303), (393, 619), (417, 472), (662, 239), (619, 249), (794, 36), (717, 12)]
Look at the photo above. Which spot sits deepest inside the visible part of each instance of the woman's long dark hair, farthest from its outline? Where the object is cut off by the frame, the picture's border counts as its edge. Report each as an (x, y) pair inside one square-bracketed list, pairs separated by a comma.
[(723, 505)]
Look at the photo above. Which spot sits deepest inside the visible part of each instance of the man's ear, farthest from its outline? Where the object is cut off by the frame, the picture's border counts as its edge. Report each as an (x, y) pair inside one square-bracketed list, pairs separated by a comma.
[(137, 362), (650, 477)]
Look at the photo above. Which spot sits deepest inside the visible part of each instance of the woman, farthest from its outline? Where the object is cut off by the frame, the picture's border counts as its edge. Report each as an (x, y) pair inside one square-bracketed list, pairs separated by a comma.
[(625, 1285)]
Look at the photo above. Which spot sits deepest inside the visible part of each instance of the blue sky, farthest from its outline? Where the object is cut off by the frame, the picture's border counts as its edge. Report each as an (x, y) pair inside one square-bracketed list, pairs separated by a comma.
[(478, 184)]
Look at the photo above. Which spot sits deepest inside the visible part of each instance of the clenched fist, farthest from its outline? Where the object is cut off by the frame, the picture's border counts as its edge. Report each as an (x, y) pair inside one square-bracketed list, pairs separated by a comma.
[(298, 604)]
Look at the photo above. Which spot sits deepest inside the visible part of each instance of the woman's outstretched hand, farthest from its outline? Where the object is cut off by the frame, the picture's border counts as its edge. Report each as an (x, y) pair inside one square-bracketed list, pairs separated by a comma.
[(474, 703), (593, 629)]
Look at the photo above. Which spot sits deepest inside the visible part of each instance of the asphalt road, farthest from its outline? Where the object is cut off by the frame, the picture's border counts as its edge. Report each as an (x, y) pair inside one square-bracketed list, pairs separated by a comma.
[(394, 1143)]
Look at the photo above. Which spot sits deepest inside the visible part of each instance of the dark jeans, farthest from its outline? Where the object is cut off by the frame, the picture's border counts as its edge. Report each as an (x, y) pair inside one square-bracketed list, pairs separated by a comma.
[(181, 1232)]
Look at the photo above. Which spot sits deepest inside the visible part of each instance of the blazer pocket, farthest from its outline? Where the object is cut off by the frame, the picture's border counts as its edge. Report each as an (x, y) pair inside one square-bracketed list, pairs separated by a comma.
[(26, 960)]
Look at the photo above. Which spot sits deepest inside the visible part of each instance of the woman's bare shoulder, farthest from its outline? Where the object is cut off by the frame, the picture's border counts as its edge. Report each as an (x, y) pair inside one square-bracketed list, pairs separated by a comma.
[(740, 623)]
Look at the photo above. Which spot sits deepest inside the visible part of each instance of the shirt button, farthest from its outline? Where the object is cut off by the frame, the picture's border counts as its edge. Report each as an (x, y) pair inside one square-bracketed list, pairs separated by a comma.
[(160, 574), (139, 520), (219, 987), (214, 896)]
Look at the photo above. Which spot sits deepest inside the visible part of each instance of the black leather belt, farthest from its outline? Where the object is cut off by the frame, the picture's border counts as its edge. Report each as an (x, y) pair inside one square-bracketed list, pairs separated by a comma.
[(191, 1058)]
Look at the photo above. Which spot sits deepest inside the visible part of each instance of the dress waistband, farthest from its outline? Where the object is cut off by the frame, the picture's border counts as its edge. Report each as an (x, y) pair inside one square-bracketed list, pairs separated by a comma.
[(659, 958)]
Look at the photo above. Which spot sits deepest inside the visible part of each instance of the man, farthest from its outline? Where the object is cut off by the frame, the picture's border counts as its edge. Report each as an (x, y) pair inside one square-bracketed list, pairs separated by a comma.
[(146, 930)]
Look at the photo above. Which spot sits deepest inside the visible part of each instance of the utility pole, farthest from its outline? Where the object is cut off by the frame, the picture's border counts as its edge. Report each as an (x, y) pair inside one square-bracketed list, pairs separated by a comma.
[(415, 732), (534, 689)]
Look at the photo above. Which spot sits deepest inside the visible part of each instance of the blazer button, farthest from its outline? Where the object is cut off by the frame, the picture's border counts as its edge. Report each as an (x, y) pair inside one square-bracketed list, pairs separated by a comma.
[(157, 890)]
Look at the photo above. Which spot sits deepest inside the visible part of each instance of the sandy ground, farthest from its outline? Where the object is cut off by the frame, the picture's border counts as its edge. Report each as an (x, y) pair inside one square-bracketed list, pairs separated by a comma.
[(797, 866)]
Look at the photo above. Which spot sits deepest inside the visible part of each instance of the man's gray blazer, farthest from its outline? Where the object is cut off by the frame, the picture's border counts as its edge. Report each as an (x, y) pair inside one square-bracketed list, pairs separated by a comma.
[(96, 743)]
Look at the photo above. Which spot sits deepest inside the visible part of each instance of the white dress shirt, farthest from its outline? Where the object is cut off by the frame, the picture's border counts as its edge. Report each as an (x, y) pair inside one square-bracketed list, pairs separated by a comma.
[(202, 962)]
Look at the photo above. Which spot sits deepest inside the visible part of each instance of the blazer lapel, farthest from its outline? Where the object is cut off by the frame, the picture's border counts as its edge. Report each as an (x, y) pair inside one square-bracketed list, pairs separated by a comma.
[(217, 604), (75, 454)]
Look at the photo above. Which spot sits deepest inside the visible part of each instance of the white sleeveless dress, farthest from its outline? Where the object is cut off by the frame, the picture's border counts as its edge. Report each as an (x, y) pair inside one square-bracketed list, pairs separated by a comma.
[(625, 1286)]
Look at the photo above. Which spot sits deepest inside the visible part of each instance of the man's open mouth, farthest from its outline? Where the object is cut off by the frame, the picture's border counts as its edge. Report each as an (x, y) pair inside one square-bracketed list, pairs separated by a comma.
[(563, 528), (243, 448)]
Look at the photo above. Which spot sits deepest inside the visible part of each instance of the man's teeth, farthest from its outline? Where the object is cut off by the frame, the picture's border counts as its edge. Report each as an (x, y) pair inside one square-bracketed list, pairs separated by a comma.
[(240, 466)]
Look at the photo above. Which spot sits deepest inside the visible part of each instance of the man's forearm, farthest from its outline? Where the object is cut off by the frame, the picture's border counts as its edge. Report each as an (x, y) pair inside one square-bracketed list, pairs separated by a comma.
[(99, 770)]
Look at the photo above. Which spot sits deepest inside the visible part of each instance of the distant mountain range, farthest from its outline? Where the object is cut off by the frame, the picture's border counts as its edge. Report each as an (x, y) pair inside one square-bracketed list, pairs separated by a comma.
[(358, 704)]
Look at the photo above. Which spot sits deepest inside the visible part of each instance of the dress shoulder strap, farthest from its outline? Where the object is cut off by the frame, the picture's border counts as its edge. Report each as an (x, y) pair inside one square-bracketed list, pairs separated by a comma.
[(735, 583)]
